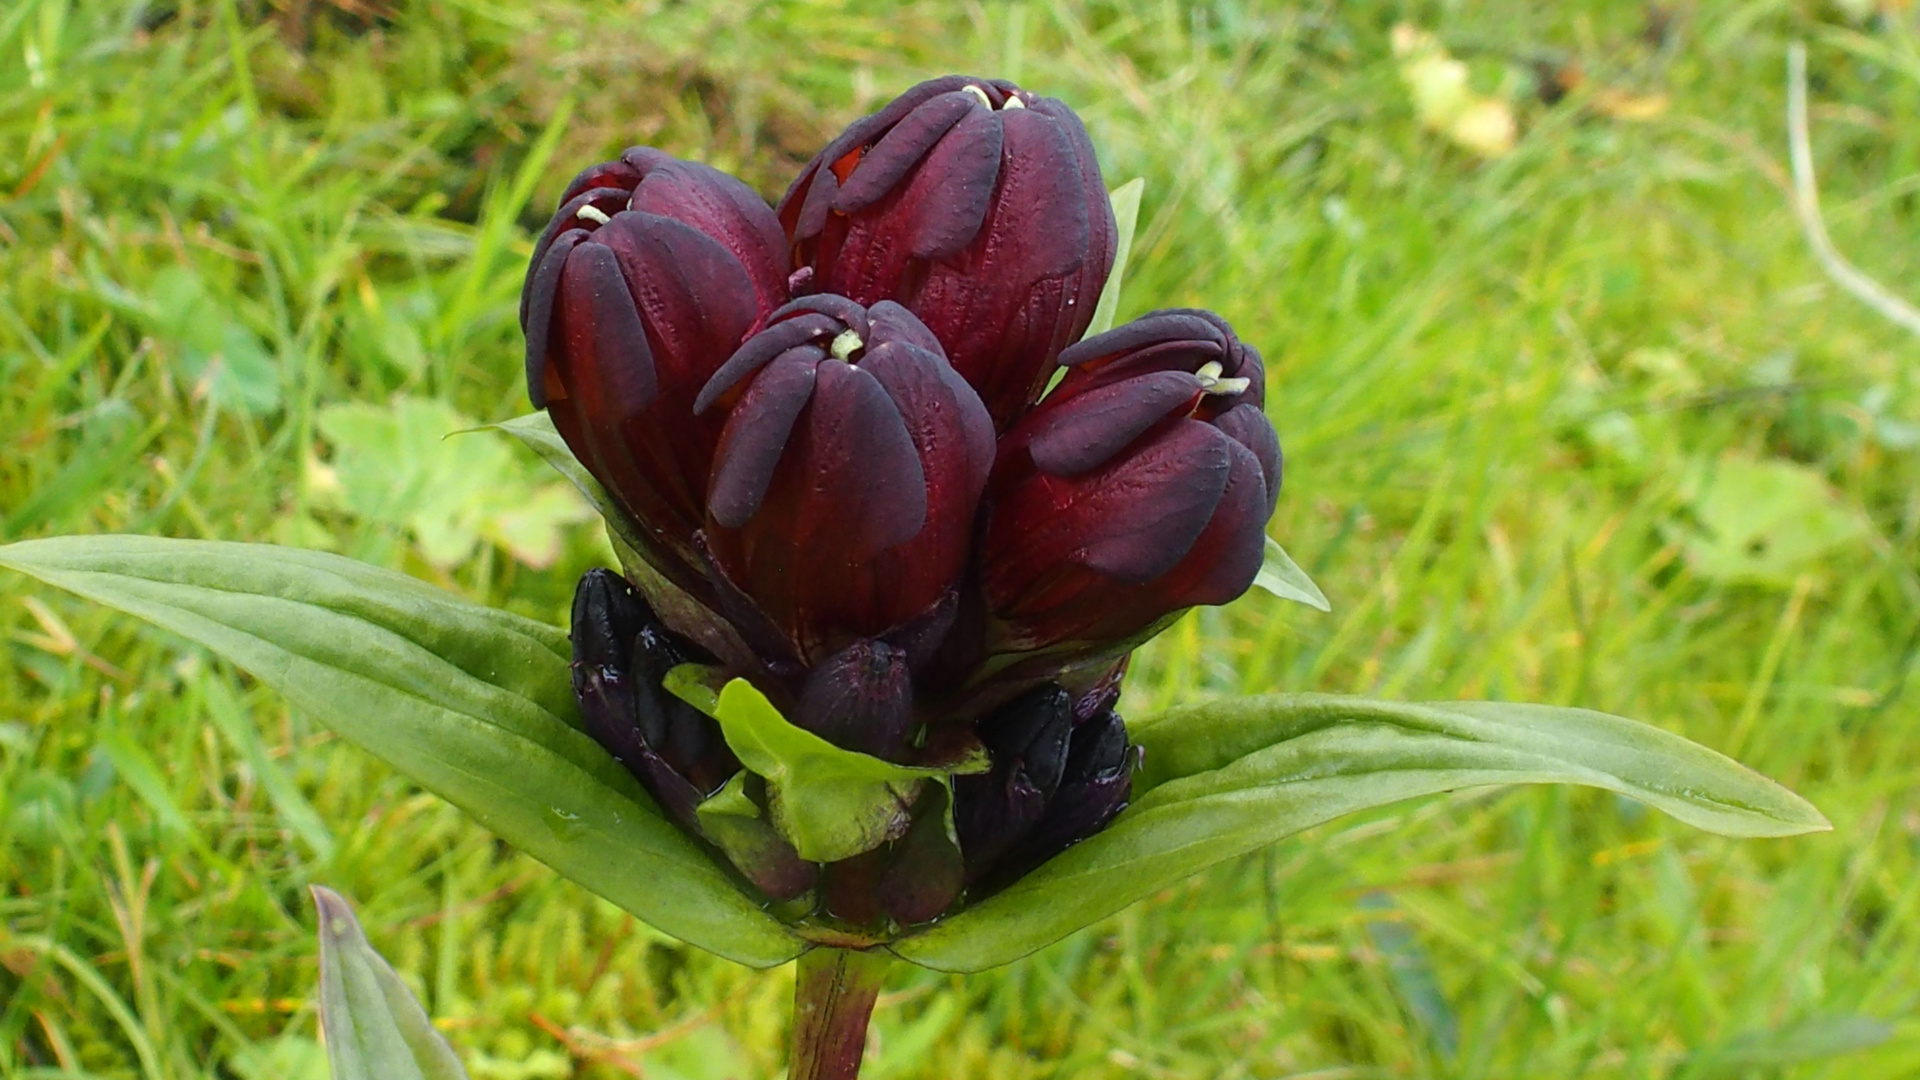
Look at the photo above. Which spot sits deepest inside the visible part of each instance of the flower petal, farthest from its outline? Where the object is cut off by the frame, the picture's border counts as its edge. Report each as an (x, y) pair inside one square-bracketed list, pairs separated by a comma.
[(1073, 439), (757, 433)]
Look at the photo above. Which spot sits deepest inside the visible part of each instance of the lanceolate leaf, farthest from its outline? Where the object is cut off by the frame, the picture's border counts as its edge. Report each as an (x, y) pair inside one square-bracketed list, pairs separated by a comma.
[(1126, 214), (1228, 777), (1282, 577), (374, 1028), (473, 703)]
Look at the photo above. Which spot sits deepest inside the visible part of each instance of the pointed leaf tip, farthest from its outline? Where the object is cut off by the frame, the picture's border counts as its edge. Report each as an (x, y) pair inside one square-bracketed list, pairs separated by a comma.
[(1228, 777), (1126, 215), (373, 1026), (1282, 577)]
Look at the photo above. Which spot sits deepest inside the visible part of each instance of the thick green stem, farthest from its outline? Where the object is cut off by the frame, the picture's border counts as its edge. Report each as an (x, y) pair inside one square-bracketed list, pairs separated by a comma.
[(832, 999)]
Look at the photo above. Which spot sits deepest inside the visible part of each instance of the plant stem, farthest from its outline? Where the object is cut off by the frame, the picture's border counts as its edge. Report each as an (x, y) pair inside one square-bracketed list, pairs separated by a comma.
[(832, 999)]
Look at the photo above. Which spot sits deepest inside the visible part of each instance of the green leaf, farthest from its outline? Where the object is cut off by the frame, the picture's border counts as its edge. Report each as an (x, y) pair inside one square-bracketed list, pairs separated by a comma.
[(731, 820), (474, 704), (1230, 776), (1282, 577), (374, 1028), (830, 803), (1126, 215)]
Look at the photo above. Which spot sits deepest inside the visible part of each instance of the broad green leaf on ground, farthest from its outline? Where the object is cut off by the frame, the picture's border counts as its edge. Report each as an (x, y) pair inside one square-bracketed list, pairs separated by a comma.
[(1230, 776), (1126, 215), (210, 343), (473, 703), (830, 803), (1282, 577), (1763, 522), (394, 465), (374, 1028)]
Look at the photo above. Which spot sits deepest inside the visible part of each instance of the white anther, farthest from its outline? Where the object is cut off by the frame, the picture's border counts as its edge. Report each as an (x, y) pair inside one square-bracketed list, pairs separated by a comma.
[(592, 213), (845, 345), (1014, 102), (1211, 382), (979, 93)]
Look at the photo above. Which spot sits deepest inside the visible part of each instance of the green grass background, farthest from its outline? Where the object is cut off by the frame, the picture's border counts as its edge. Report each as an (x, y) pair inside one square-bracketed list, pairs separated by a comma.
[(1585, 424)]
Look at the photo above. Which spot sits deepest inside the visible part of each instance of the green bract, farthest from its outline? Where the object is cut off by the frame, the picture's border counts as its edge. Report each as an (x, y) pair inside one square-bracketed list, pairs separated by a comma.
[(831, 803)]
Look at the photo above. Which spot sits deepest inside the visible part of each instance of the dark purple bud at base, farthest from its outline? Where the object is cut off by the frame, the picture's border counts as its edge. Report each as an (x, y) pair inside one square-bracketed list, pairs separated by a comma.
[(1027, 743), (1140, 487), (1094, 788), (1053, 784), (977, 205), (620, 653)]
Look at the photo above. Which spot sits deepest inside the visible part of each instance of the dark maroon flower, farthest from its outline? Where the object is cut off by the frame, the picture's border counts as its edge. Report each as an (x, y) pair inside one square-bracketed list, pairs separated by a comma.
[(977, 205), (650, 275), (1140, 487), (842, 496)]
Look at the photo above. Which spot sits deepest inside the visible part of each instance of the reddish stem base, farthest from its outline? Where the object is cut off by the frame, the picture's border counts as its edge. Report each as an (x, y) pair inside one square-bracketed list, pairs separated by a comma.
[(832, 999)]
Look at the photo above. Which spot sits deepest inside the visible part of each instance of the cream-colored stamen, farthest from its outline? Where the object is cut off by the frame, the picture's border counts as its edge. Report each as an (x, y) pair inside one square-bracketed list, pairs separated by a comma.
[(845, 344), (979, 93), (1014, 102), (1212, 383), (592, 213)]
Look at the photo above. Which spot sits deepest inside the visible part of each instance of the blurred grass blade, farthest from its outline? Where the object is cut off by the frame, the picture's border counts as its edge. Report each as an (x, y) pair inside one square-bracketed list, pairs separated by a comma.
[(374, 1028), (1282, 577), (1126, 215), (1411, 970), (295, 811), (1791, 1044), (88, 472), (141, 773), (474, 704), (1230, 776)]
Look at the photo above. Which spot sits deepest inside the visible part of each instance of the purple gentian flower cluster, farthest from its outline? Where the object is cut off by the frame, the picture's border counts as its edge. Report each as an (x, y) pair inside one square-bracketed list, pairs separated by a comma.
[(829, 428)]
